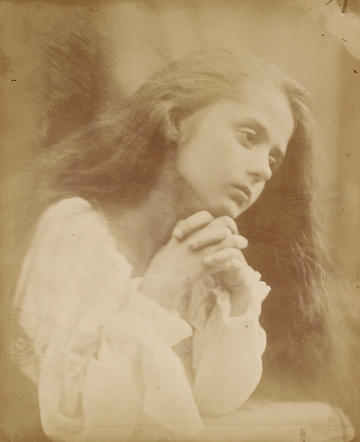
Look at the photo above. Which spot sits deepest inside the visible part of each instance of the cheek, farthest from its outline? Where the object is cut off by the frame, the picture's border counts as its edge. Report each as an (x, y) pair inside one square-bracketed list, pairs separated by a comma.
[(259, 190), (189, 159), (200, 154)]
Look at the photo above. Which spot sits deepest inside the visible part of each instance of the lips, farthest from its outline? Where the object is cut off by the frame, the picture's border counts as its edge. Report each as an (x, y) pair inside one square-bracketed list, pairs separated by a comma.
[(244, 189)]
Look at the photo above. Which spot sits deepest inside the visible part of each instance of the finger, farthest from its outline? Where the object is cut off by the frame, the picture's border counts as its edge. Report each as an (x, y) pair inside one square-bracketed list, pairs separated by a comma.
[(185, 227), (232, 264), (226, 221), (224, 255), (208, 237), (238, 242), (232, 241)]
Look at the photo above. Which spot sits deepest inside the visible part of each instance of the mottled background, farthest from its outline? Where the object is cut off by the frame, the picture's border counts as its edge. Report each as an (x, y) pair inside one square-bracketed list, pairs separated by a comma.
[(62, 63)]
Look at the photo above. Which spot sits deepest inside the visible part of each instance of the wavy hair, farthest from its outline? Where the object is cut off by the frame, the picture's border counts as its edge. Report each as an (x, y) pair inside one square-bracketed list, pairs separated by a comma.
[(118, 158)]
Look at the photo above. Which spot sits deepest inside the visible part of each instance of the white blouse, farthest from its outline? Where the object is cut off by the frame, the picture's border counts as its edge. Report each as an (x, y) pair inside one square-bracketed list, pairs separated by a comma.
[(108, 360)]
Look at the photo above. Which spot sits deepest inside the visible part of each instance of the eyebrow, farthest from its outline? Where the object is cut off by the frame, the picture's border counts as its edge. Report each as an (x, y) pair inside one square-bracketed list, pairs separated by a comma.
[(262, 131)]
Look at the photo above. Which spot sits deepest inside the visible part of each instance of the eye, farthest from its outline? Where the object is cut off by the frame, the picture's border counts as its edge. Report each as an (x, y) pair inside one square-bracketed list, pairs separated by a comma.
[(273, 163), (247, 137)]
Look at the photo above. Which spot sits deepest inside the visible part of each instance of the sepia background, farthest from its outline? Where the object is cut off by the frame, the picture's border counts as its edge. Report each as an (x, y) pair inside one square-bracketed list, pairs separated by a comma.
[(62, 63)]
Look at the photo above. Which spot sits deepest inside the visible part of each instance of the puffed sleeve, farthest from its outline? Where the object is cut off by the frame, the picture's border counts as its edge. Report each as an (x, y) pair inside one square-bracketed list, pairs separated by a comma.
[(99, 351), (227, 349)]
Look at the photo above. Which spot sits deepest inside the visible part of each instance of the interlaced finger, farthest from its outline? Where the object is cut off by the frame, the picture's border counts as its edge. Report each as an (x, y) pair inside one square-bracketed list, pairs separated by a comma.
[(187, 226), (207, 237), (226, 266), (230, 241), (226, 221), (230, 255)]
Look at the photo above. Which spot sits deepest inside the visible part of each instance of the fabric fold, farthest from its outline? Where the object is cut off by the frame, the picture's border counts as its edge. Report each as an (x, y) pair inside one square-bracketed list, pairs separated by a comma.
[(102, 353), (168, 324)]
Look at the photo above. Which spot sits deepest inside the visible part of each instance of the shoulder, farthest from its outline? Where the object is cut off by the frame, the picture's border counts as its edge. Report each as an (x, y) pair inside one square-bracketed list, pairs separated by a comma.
[(75, 219), (73, 268), (75, 212), (73, 227)]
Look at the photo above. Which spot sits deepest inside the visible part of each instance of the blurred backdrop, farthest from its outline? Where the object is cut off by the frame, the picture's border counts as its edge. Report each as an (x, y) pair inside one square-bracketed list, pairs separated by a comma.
[(64, 62)]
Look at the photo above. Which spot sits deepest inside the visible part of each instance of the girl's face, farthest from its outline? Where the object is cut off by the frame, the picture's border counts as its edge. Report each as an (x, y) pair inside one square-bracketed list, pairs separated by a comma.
[(227, 151)]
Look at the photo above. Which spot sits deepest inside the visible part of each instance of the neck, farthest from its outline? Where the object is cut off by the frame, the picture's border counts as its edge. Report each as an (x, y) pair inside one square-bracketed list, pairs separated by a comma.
[(141, 230)]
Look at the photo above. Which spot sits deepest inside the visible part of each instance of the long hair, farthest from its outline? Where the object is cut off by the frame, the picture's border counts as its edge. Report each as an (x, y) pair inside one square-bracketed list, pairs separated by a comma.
[(117, 159)]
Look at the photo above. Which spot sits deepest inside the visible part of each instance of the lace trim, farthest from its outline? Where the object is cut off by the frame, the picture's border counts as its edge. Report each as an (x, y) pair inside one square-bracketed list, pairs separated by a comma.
[(40, 345), (209, 292)]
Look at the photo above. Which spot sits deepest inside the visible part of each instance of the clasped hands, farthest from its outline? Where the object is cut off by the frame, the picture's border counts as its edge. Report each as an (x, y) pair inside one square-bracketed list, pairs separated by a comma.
[(198, 245)]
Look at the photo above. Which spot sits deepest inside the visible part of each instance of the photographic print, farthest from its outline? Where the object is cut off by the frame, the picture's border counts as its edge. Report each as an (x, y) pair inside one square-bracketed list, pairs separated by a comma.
[(180, 200)]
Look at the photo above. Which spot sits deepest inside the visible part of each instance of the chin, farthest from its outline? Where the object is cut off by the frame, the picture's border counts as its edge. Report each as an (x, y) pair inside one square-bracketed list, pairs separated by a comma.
[(231, 210), (237, 209), (228, 208)]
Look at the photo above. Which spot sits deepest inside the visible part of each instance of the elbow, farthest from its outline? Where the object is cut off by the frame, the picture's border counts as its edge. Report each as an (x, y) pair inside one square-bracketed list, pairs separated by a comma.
[(225, 395)]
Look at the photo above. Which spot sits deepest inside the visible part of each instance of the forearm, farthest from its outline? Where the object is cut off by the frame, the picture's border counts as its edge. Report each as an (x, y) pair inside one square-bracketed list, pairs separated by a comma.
[(227, 354)]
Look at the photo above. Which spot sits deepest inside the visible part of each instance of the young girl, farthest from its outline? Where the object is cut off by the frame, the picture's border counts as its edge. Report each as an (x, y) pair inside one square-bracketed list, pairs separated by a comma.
[(136, 311)]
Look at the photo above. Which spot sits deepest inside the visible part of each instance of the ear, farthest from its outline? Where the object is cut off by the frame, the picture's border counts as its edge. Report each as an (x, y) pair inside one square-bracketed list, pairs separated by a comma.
[(171, 122)]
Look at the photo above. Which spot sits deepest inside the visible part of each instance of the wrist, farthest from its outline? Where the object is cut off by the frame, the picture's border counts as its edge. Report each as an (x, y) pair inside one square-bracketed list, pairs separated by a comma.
[(152, 288), (162, 290)]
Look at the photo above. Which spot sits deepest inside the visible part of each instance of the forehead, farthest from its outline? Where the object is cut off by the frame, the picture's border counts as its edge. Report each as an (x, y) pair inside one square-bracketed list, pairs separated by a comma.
[(261, 102)]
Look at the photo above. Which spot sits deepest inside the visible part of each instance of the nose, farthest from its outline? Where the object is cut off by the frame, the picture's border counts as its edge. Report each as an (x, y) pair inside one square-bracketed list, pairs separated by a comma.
[(259, 167)]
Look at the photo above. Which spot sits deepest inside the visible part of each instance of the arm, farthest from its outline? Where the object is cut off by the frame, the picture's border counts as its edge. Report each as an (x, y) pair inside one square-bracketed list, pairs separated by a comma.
[(84, 331), (229, 345), (227, 353)]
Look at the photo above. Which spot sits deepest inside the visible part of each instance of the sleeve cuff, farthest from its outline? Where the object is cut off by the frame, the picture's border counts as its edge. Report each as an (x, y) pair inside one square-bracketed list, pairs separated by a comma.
[(255, 289)]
